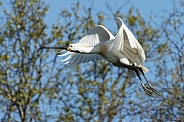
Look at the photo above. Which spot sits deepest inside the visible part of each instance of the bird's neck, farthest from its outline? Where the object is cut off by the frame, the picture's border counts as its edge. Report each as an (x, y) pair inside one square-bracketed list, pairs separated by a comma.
[(89, 49)]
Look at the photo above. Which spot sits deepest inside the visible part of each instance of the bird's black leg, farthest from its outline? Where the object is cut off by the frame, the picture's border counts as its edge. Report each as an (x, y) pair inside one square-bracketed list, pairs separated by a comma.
[(146, 89), (150, 86)]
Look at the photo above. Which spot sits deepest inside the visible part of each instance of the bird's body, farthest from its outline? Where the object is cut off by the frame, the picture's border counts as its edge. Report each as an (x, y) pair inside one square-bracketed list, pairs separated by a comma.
[(113, 56), (122, 50)]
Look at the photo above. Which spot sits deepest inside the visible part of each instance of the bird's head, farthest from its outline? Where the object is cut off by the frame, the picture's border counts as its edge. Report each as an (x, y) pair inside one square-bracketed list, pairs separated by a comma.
[(72, 48)]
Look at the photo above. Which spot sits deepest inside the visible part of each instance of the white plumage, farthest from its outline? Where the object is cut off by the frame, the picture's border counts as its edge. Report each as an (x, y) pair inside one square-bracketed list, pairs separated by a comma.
[(122, 50)]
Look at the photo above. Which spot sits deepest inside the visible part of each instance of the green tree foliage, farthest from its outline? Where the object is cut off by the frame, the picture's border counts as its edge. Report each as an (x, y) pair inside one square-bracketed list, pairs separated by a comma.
[(22, 82), (170, 66), (36, 86)]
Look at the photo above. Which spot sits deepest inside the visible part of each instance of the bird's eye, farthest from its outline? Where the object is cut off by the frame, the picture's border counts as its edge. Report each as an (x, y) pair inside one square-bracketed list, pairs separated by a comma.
[(71, 46)]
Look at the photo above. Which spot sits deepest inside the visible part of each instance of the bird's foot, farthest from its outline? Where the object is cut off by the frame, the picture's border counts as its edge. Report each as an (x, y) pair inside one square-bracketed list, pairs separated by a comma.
[(147, 90), (153, 89)]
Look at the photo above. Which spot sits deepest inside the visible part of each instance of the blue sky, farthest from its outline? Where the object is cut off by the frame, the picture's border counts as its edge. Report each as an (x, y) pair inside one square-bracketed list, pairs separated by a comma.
[(146, 7)]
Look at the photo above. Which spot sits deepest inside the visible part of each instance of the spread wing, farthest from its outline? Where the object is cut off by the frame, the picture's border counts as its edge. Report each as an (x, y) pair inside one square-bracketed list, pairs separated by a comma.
[(77, 58), (96, 35), (93, 37), (126, 43)]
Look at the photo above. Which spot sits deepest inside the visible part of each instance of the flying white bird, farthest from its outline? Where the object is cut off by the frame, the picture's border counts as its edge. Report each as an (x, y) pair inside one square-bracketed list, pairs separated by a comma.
[(122, 50)]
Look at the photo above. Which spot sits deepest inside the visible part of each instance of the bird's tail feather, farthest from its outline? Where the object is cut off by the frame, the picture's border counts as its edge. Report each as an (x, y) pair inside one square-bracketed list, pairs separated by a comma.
[(144, 69)]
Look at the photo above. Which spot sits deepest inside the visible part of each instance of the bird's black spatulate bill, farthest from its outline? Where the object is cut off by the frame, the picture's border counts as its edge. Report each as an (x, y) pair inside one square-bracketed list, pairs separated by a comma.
[(58, 48)]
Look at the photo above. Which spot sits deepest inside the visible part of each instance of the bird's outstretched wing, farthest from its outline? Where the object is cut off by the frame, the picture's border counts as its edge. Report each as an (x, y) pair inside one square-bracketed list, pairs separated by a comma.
[(93, 37), (126, 43), (78, 58), (96, 35)]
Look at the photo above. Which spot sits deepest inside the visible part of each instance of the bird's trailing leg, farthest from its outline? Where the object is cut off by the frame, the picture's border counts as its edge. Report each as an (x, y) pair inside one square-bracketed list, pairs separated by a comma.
[(146, 89), (150, 86)]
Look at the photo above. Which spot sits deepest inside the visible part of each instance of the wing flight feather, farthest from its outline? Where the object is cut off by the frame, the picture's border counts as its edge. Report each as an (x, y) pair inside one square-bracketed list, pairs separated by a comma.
[(126, 43), (93, 37)]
